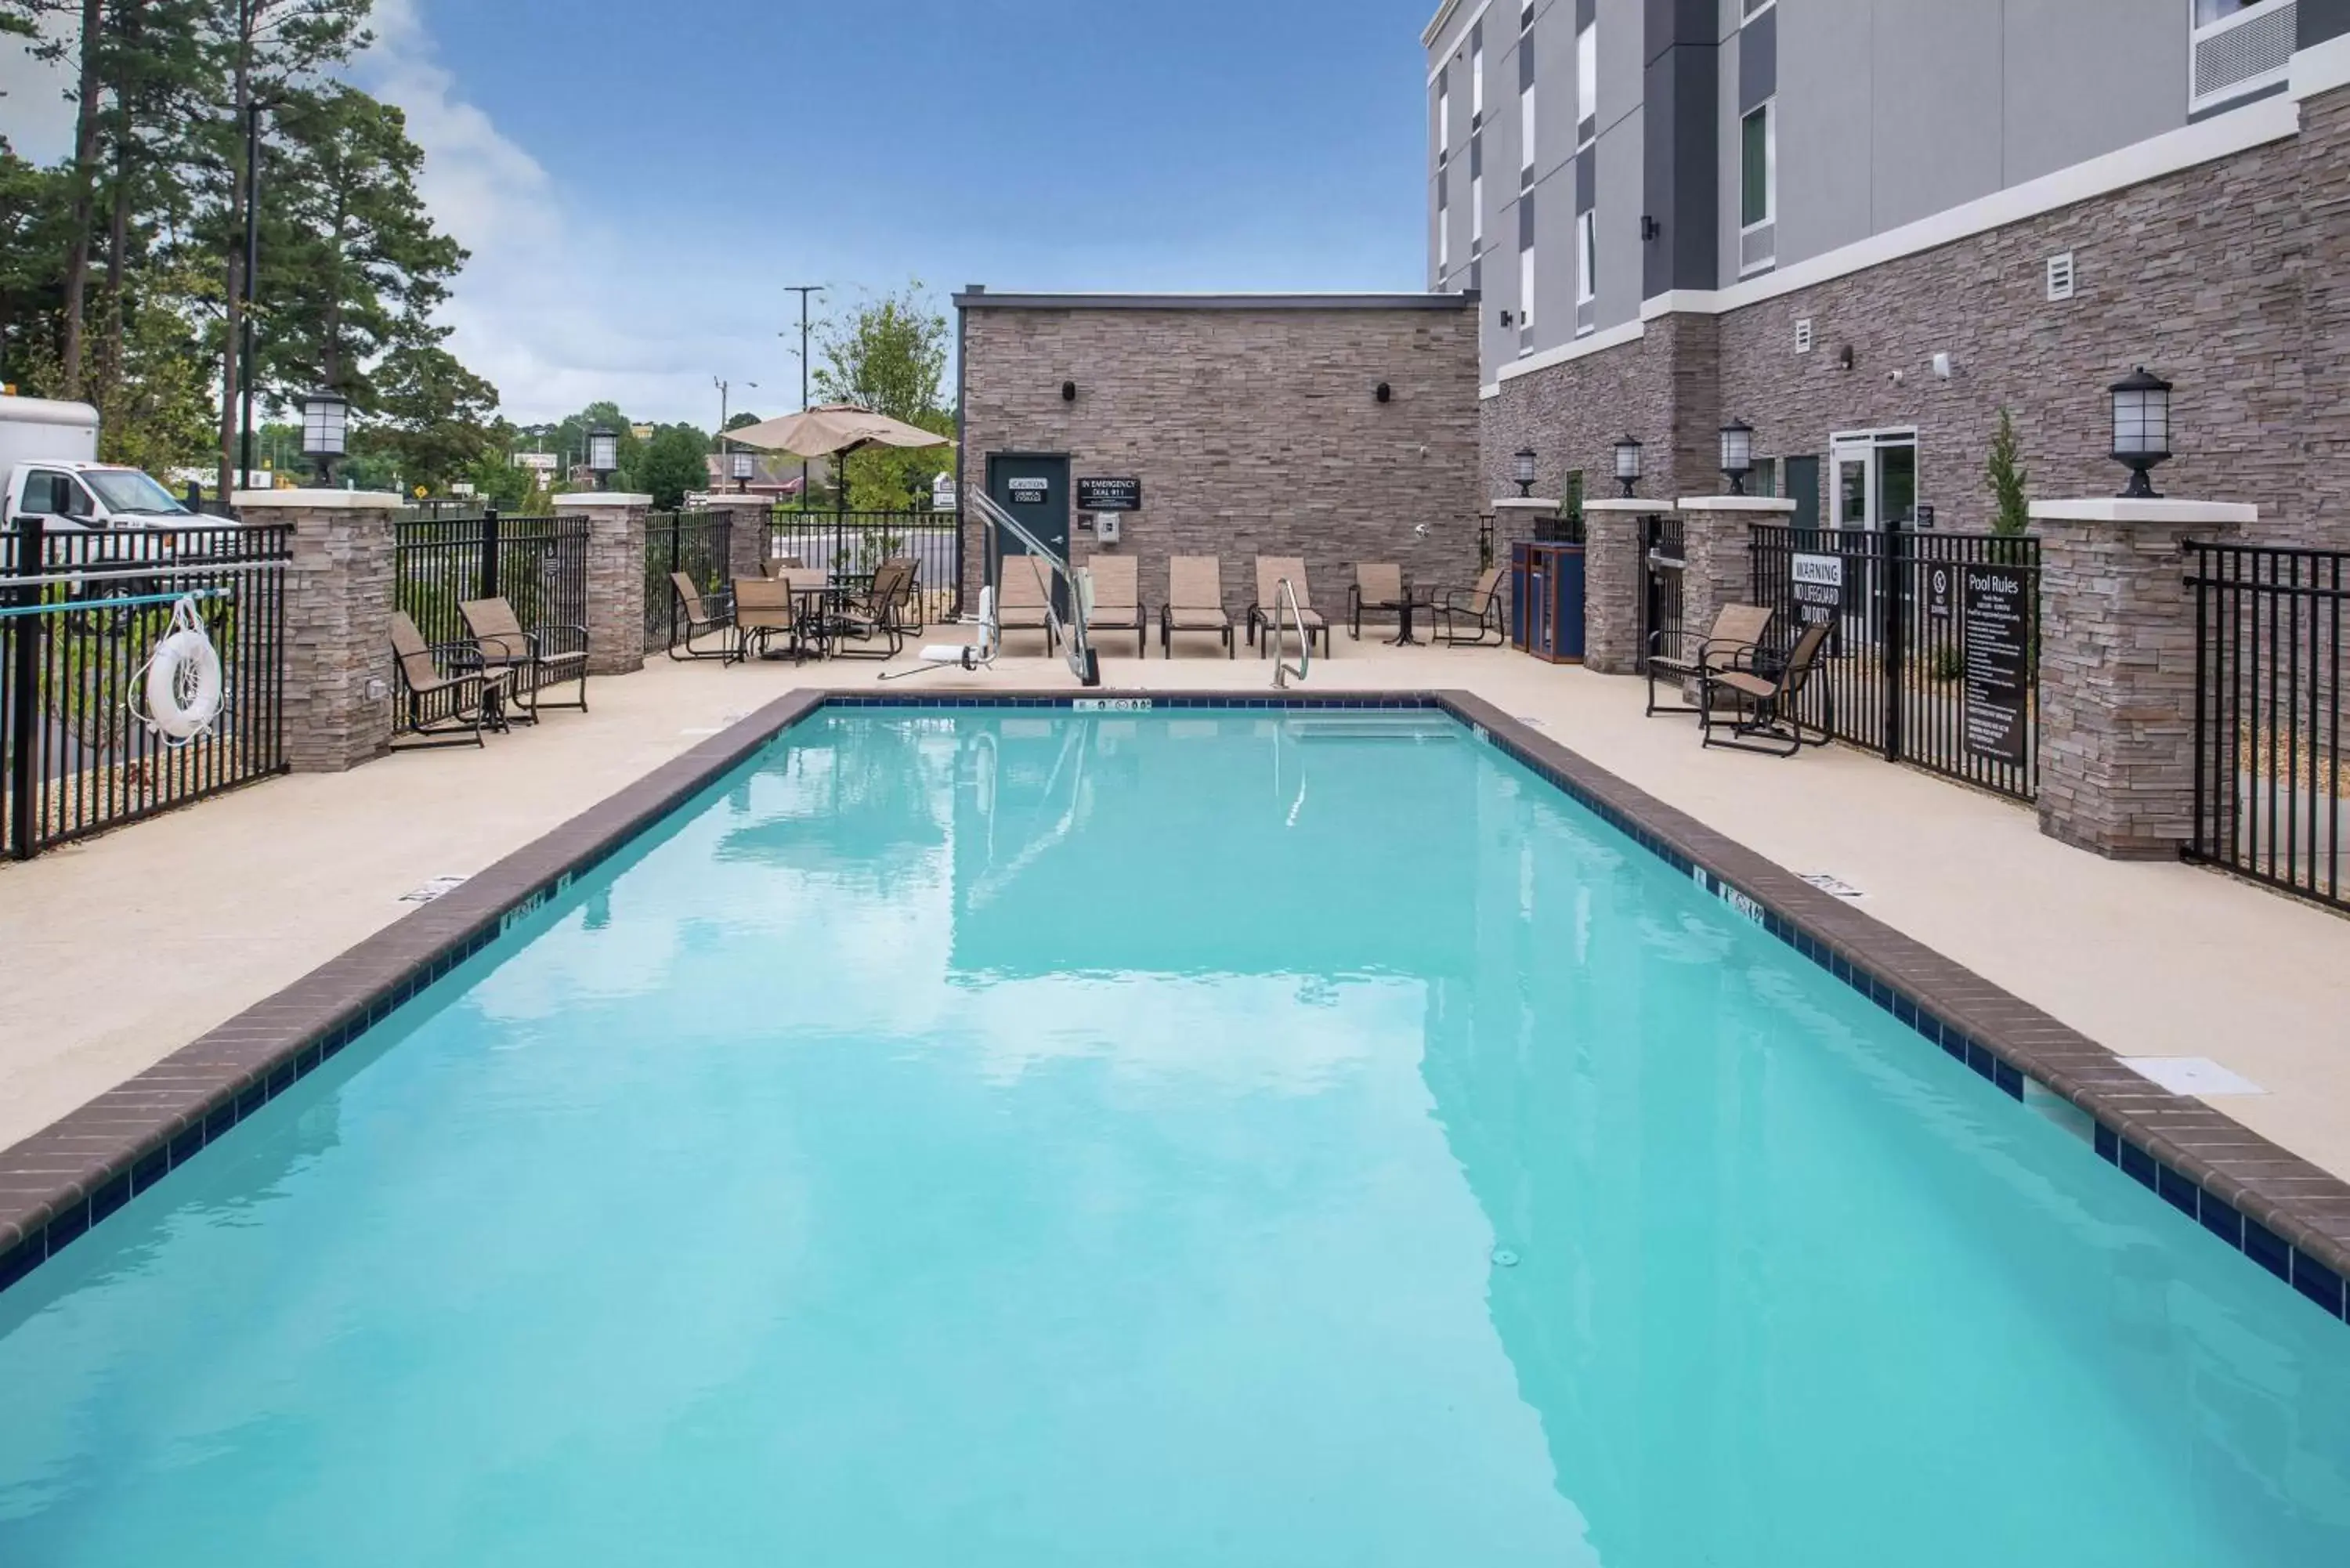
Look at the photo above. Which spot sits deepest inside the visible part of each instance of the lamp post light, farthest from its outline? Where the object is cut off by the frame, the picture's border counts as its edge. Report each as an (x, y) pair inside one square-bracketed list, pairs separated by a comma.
[(2141, 429), (1737, 455), (744, 466), (1628, 466), (603, 455), (326, 431), (1524, 472)]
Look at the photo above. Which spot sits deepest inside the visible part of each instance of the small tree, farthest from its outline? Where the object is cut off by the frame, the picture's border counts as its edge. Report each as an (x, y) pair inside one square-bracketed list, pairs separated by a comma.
[(890, 354), (672, 465), (2011, 511)]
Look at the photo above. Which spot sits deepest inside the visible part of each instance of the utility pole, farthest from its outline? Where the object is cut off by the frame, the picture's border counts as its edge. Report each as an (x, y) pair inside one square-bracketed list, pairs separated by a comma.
[(251, 284), (804, 290)]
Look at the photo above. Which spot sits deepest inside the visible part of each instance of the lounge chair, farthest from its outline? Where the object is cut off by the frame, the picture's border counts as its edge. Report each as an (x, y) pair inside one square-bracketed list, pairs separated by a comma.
[(452, 710), (1378, 586), (1118, 600), (1763, 699), (1195, 602), (504, 645), (1684, 659), (879, 615), (1478, 607), (1024, 601), (1270, 572), (697, 615)]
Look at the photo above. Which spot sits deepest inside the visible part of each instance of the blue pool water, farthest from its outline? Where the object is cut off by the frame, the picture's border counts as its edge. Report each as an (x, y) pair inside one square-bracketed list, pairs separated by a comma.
[(986, 1138)]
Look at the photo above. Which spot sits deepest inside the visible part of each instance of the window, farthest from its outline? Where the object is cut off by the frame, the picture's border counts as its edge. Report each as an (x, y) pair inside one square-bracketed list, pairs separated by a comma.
[(2210, 11), (2237, 47), (1526, 138), (1526, 300), (1586, 83), (1476, 193), (1758, 168), (1477, 79), (1587, 258), (1443, 123), (1763, 480), (1753, 8), (1443, 224)]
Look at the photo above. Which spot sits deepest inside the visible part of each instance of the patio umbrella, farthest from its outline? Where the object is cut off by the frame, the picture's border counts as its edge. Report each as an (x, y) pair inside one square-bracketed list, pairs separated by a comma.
[(835, 429)]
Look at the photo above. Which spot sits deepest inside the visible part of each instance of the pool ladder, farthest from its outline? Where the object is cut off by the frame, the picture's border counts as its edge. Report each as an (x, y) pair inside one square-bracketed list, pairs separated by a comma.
[(1286, 599)]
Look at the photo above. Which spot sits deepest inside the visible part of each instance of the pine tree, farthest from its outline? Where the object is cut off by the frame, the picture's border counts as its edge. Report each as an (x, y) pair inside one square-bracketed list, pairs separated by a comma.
[(2011, 509)]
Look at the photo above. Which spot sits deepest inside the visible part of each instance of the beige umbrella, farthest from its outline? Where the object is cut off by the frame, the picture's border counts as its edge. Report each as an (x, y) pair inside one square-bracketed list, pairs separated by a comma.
[(834, 430)]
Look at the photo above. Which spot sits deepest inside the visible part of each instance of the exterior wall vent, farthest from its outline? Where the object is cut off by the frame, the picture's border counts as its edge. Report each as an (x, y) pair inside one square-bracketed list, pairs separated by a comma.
[(2060, 275), (1804, 335), (2248, 51)]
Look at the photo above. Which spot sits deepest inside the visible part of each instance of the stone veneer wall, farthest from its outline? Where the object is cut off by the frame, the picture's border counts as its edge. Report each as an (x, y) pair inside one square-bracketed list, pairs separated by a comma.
[(2232, 280), (1255, 432)]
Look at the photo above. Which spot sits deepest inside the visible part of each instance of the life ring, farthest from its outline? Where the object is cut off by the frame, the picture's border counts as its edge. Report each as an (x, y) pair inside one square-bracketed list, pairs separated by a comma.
[(184, 682)]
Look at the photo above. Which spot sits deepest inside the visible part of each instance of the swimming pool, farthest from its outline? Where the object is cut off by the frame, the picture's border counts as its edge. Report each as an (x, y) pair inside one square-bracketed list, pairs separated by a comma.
[(983, 1137)]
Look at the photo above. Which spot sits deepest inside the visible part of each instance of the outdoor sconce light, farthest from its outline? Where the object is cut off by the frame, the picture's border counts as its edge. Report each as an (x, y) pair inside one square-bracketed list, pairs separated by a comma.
[(1384, 392), (1650, 230), (1524, 472), (1068, 391), (2141, 429), (603, 454), (1628, 466), (1844, 358), (326, 430), (1737, 455), (744, 466)]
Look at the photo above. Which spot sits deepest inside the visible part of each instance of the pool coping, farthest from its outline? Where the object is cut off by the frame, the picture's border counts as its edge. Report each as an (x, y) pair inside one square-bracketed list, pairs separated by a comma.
[(2281, 1211)]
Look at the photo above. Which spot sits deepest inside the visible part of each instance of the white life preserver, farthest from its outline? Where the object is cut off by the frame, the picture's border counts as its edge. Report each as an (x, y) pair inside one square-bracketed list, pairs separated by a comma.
[(184, 691)]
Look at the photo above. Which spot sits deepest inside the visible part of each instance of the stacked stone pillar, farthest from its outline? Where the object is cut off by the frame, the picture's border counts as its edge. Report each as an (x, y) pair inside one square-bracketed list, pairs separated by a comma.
[(746, 534), (337, 630), (1614, 537), (1717, 544), (615, 579), (2117, 670)]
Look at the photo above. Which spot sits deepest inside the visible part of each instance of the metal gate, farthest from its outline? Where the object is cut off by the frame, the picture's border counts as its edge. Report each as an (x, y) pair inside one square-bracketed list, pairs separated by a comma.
[(537, 565), (80, 616), (849, 545), (1935, 655), (697, 544), (1663, 568), (2272, 790)]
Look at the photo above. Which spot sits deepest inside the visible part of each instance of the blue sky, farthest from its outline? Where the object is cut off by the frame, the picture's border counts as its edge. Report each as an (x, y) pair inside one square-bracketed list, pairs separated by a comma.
[(638, 181)]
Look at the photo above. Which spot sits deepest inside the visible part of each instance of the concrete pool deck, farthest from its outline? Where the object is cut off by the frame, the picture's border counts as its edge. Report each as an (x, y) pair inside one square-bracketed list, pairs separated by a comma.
[(124, 949)]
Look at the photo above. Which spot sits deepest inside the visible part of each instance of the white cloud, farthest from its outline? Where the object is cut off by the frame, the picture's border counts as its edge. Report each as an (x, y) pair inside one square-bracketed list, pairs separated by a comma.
[(555, 307)]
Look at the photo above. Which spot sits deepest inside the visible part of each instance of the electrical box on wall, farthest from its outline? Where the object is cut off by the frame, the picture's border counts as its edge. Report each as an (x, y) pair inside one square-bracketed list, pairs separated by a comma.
[(1106, 528)]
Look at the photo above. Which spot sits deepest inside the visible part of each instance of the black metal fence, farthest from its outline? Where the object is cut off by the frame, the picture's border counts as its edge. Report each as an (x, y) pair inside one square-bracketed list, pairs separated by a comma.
[(537, 565), (1935, 655), (694, 542), (2272, 788), (82, 616), (1663, 567), (849, 545)]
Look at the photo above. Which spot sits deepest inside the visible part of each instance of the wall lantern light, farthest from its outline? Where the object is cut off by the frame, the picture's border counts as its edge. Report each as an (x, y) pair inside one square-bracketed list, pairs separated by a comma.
[(1068, 391), (1385, 393), (1737, 455), (1628, 466), (2141, 429)]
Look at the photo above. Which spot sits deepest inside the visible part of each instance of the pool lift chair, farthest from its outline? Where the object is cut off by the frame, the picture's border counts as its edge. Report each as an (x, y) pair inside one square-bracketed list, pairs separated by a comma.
[(1083, 662)]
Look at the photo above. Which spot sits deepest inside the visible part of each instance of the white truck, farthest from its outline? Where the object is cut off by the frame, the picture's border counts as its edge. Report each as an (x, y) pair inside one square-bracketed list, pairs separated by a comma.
[(48, 451)]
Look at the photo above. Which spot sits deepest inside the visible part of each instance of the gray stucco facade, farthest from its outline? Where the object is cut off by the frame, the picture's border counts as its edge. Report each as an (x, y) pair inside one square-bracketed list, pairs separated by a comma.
[(1882, 115)]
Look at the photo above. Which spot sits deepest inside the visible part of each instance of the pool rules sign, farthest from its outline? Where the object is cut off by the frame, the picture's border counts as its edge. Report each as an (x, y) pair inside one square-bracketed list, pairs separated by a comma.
[(1996, 603)]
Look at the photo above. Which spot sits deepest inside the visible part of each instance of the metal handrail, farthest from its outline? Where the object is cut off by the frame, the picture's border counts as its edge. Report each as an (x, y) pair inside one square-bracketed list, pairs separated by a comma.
[(133, 603), (1080, 645), (1287, 595)]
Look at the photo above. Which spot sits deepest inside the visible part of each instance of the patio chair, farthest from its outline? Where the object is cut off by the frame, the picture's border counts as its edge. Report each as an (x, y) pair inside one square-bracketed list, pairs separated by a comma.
[(1195, 602), (1270, 571), (879, 615), (777, 565), (1024, 601), (1763, 699), (471, 702), (764, 608), (698, 616), (1378, 586), (1683, 658), (534, 666), (1118, 600), (1478, 607)]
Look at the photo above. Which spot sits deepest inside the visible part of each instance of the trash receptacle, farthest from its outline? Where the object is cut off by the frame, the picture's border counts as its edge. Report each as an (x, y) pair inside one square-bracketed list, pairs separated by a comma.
[(1546, 588)]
